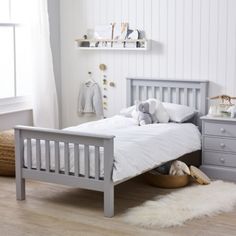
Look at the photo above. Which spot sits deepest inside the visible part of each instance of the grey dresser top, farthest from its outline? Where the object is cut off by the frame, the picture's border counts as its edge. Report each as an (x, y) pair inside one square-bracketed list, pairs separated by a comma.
[(218, 118)]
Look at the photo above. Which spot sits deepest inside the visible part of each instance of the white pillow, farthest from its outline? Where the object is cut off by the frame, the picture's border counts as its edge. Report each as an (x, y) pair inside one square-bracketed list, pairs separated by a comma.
[(127, 112), (179, 113)]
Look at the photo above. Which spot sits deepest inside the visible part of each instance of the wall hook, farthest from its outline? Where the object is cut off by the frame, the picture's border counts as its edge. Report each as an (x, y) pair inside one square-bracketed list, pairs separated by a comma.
[(102, 67), (112, 84)]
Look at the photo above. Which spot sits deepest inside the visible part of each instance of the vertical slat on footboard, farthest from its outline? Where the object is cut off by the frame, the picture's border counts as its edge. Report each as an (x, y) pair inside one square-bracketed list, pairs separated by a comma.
[(76, 159), (57, 157), (47, 152), (86, 160), (38, 154), (29, 154), (97, 163), (66, 158)]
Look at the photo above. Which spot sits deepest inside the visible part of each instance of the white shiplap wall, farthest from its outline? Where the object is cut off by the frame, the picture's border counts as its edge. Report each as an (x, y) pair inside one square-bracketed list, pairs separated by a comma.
[(191, 39)]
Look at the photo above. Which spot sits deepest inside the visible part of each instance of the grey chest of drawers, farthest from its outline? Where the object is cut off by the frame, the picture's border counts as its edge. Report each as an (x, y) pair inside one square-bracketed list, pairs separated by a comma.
[(219, 148)]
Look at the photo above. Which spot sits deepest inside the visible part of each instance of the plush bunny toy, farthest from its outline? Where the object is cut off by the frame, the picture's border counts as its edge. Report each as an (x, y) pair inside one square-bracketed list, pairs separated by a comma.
[(143, 115), (179, 168)]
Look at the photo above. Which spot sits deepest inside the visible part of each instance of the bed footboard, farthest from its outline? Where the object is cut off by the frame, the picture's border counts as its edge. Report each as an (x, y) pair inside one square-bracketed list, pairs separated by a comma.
[(41, 167)]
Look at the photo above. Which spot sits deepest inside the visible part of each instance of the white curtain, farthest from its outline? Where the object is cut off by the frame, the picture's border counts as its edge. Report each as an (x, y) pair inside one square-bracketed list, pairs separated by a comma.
[(35, 34)]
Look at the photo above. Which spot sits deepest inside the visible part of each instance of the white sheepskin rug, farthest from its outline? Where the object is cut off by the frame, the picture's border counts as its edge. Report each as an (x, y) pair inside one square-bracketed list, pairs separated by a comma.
[(185, 204)]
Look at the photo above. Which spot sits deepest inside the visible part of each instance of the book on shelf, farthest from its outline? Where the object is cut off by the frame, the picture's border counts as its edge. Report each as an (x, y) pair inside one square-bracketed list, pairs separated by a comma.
[(103, 31), (120, 31)]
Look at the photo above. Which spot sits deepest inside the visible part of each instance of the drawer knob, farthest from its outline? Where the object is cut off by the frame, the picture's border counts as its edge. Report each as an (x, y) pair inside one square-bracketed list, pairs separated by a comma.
[(222, 160), (222, 130), (222, 145)]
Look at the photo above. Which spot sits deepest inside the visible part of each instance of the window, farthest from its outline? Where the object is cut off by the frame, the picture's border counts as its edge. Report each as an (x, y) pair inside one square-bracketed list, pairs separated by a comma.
[(7, 61), (13, 82)]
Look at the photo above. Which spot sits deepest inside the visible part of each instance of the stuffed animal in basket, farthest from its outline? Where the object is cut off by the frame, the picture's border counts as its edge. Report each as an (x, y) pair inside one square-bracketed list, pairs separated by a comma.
[(179, 168), (142, 113)]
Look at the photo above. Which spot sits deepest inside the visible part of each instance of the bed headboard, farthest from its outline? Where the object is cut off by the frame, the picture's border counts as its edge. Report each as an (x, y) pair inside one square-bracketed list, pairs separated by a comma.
[(192, 93)]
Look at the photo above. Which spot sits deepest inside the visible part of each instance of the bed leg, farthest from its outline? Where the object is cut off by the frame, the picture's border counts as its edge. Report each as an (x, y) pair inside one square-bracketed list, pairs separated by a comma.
[(20, 188), (109, 202), (108, 183), (20, 182)]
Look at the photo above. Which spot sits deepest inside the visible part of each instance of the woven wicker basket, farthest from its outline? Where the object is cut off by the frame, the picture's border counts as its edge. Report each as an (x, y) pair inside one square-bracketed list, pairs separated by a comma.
[(166, 181), (7, 153)]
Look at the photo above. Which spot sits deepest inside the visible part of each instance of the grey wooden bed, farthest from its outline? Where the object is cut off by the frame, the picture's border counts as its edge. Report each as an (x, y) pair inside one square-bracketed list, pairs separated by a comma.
[(192, 93)]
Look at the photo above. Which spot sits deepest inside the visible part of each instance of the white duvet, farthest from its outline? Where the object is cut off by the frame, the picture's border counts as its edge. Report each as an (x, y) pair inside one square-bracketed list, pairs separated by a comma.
[(136, 148)]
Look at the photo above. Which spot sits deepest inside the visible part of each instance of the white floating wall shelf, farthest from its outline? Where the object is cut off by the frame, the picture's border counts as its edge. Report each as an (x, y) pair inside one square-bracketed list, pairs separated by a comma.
[(126, 45)]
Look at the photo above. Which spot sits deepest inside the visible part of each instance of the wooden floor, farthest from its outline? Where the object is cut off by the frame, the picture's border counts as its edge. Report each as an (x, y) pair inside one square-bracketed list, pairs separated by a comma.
[(58, 210)]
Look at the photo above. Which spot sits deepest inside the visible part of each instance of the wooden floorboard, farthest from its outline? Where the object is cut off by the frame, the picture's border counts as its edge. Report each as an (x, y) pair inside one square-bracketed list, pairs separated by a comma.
[(59, 210)]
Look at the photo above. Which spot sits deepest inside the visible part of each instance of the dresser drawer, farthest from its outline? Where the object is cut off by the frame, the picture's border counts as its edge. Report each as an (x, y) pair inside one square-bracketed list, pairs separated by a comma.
[(219, 159), (219, 172), (219, 144), (222, 129)]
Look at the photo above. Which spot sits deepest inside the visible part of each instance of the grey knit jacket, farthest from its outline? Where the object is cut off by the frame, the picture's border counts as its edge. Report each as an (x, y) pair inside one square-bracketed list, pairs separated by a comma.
[(90, 100)]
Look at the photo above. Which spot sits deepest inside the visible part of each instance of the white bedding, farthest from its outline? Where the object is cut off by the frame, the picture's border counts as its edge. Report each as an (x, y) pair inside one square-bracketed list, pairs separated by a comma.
[(136, 148)]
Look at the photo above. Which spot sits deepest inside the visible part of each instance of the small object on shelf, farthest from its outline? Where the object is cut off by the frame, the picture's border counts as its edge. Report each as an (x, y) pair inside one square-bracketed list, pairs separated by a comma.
[(85, 43), (118, 44), (119, 34), (225, 114), (225, 99), (104, 96), (133, 35), (219, 110), (92, 44), (120, 31), (232, 111), (90, 33), (130, 44), (222, 106), (103, 31)]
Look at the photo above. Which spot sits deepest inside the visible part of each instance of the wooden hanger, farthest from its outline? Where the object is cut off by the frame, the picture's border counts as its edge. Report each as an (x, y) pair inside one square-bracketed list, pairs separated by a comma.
[(90, 80)]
